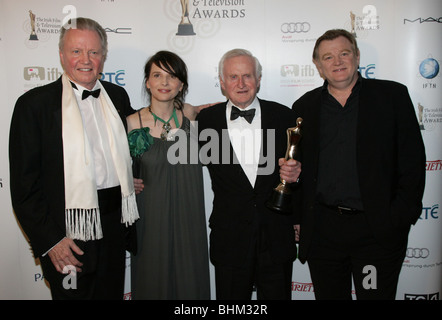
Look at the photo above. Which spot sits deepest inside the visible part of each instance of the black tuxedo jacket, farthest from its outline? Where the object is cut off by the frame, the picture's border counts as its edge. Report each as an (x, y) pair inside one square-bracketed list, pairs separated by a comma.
[(36, 161), (390, 161), (238, 208)]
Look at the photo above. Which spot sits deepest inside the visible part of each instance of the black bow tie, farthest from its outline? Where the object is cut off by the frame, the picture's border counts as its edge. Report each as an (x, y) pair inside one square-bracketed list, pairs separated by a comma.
[(247, 114), (87, 93)]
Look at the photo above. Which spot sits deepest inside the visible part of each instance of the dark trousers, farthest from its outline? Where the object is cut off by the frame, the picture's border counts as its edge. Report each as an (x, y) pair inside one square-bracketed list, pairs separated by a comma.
[(103, 270), (272, 281), (343, 249)]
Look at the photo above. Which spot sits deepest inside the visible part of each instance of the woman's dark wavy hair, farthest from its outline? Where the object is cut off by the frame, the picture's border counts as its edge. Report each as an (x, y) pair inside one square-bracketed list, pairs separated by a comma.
[(172, 64)]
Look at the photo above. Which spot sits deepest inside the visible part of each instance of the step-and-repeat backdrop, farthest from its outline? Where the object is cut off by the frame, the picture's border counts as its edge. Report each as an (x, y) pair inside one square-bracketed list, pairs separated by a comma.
[(399, 40)]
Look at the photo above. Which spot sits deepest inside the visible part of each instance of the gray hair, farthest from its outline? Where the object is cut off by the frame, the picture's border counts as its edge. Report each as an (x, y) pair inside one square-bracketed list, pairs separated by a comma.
[(84, 24), (236, 53)]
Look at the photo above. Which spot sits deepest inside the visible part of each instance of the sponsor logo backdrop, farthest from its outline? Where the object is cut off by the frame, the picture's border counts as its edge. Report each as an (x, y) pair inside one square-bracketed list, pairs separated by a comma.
[(399, 40)]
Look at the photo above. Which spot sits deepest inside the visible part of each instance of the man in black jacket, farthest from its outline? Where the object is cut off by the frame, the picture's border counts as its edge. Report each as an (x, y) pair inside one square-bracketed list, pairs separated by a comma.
[(249, 243), (363, 176), (70, 168)]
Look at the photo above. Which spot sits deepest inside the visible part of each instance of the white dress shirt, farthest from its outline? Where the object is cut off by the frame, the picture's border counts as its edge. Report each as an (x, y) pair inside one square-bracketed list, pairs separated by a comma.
[(93, 120), (246, 139)]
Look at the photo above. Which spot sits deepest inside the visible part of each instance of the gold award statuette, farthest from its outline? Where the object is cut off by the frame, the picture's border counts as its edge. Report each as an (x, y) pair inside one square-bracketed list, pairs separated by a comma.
[(281, 200), (185, 28), (33, 35)]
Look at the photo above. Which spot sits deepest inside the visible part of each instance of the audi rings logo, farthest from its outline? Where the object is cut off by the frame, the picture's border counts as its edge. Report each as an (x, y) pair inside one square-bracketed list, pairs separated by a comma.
[(295, 27), (418, 253)]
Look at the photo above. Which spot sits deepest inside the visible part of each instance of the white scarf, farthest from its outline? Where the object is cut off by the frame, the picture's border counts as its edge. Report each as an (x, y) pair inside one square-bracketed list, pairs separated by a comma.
[(82, 213)]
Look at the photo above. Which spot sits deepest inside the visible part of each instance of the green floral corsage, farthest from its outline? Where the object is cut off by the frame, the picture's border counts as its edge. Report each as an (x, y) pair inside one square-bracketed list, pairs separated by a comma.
[(140, 141)]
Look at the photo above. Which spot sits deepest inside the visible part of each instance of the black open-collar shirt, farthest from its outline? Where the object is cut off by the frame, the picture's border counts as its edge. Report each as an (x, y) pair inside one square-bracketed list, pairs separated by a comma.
[(337, 176)]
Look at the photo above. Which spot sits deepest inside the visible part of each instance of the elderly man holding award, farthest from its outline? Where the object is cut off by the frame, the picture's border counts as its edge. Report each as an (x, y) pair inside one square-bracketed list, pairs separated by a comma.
[(250, 244)]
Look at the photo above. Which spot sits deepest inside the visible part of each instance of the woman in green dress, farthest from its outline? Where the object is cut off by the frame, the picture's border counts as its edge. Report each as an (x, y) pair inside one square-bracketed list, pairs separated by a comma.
[(172, 258)]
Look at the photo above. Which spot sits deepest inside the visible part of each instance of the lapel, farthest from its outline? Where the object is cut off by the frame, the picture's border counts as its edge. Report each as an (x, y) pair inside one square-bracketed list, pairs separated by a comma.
[(58, 87), (315, 111), (311, 127), (369, 108), (267, 122), (116, 100), (364, 113)]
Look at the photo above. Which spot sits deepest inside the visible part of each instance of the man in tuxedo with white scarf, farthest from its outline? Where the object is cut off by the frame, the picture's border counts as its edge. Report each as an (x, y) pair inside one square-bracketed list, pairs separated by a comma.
[(71, 179)]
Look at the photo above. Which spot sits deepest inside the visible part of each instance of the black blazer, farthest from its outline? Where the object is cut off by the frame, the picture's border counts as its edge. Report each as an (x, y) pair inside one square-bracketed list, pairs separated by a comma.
[(390, 161), (36, 161), (238, 207)]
